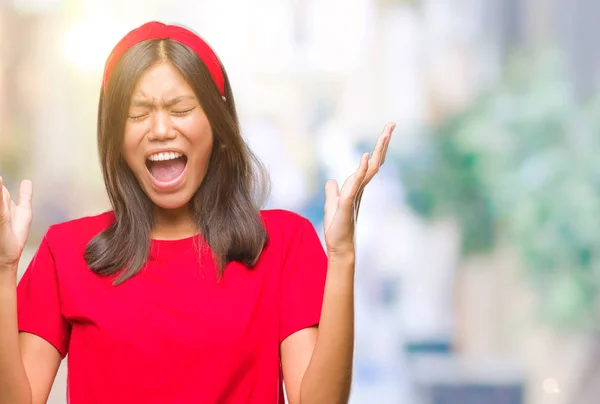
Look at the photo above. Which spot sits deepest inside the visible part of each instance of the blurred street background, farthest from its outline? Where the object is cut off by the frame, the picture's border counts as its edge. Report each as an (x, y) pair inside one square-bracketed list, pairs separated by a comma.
[(479, 258)]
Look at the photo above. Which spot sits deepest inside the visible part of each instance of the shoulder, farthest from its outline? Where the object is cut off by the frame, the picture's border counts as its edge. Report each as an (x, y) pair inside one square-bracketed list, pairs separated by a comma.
[(64, 243), (288, 230), (281, 221), (81, 230)]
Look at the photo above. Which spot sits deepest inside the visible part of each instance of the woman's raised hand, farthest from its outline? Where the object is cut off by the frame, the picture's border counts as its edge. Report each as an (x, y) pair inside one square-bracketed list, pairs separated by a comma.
[(15, 221)]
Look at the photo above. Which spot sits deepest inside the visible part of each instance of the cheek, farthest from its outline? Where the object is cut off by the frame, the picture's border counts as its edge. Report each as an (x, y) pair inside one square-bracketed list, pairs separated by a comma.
[(130, 146), (201, 158), (204, 150), (201, 142)]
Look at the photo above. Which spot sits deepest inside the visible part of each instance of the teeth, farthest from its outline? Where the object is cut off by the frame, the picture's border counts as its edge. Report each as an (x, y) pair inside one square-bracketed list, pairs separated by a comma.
[(164, 156)]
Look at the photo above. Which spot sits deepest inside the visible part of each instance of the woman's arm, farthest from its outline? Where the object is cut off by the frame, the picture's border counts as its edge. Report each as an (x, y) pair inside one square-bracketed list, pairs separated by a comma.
[(317, 363), (28, 364), (14, 385)]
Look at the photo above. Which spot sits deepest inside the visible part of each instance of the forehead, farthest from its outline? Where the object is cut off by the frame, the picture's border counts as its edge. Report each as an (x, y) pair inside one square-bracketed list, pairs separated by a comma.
[(162, 80)]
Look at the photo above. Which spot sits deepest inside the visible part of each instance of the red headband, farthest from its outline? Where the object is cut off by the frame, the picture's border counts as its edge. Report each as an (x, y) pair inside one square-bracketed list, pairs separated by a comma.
[(158, 30)]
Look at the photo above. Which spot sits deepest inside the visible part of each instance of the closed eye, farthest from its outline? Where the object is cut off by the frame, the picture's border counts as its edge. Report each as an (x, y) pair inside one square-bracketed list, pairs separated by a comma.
[(137, 117), (184, 112)]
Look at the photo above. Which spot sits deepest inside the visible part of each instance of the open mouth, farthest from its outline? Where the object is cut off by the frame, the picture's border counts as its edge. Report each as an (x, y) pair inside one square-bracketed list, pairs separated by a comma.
[(166, 167)]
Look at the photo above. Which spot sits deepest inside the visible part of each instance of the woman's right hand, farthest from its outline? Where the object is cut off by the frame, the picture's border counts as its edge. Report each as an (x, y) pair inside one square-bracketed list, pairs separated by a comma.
[(15, 221)]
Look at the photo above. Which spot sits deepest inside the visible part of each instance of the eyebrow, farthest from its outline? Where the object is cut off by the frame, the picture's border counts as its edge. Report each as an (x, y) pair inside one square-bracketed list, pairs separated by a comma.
[(144, 102)]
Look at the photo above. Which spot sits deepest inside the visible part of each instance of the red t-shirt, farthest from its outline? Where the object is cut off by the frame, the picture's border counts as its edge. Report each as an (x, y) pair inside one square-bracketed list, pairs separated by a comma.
[(173, 333)]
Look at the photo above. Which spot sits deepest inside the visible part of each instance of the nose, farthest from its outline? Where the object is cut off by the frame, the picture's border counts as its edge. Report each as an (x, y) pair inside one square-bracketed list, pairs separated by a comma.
[(162, 128)]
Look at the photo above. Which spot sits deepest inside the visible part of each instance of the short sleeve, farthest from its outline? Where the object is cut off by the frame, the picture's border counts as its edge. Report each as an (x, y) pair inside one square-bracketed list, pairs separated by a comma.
[(38, 301), (302, 281)]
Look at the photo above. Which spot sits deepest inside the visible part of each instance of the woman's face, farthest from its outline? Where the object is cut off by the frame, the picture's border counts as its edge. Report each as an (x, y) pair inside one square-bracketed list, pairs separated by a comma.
[(168, 139)]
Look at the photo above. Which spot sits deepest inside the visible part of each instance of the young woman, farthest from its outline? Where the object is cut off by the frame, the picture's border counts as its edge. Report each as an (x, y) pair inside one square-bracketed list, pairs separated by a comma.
[(186, 292)]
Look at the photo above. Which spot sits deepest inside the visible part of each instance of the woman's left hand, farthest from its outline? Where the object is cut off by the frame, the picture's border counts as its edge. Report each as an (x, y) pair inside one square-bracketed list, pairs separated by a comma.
[(341, 206)]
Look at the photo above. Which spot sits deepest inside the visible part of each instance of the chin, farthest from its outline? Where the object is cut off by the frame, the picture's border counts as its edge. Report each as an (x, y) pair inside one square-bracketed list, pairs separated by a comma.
[(170, 201), (175, 201)]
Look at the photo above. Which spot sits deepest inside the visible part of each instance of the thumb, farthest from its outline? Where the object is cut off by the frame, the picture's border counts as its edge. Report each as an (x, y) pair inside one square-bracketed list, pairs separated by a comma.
[(332, 195), (22, 217), (25, 194), (4, 203)]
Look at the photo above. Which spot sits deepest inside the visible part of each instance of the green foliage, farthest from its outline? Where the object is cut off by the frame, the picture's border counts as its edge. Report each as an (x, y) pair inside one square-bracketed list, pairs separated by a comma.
[(523, 164)]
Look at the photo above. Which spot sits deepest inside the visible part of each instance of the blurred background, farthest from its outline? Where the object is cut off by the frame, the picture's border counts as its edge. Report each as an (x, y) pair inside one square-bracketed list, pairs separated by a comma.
[(479, 257)]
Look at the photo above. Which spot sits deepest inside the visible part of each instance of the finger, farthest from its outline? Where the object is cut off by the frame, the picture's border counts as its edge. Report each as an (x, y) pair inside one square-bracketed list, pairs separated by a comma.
[(378, 156), (387, 143), (353, 183), (383, 142), (331, 200), (4, 201), (358, 200), (379, 148), (25, 194)]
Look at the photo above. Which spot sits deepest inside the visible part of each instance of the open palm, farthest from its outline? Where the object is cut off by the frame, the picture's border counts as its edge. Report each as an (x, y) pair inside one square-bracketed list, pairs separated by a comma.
[(15, 221), (342, 206)]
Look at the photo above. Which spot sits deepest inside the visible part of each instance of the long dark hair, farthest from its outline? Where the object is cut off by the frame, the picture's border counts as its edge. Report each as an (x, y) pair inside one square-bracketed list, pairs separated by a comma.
[(225, 208)]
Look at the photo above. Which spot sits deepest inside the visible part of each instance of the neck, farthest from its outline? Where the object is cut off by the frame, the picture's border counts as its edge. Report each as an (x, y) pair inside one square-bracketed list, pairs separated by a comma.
[(173, 224)]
